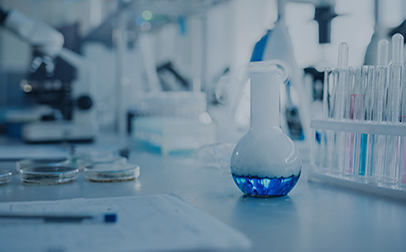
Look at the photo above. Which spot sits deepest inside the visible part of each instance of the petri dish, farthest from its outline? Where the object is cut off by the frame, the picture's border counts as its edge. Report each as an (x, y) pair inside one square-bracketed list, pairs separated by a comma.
[(30, 162), (5, 176), (112, 172), (93, 158), (48, 174)]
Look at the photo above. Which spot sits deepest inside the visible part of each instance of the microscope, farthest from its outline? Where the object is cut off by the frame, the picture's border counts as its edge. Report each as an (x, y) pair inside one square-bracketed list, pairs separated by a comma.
[(74, 119)]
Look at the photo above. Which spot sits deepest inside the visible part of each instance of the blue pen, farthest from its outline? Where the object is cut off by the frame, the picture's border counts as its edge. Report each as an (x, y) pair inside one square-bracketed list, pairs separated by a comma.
[(57, 218)]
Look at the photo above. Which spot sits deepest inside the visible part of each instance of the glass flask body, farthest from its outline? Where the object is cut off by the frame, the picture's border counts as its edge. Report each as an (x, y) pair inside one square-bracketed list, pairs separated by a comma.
[(265, 162)]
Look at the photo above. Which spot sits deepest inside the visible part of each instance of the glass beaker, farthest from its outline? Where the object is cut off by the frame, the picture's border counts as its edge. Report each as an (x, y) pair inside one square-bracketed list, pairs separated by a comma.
[(265, 162)]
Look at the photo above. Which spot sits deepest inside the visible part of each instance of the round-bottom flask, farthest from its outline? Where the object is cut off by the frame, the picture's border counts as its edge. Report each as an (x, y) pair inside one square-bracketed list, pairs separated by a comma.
[(265, 162)]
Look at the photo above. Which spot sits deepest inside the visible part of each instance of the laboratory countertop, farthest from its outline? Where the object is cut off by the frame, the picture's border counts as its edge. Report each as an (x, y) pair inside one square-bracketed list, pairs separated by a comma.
[(313, 217)]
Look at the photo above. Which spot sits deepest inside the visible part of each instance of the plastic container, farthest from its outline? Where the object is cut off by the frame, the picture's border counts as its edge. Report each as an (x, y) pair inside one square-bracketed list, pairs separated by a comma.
[(177, 104), (171, 134)]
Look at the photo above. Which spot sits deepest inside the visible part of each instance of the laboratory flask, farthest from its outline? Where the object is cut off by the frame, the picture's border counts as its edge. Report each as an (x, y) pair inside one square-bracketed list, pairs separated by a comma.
[(265, 162)]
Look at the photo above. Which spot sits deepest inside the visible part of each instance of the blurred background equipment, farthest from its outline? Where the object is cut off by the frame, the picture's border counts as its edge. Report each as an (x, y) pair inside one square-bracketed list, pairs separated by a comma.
[(105, 60), (49, 81)]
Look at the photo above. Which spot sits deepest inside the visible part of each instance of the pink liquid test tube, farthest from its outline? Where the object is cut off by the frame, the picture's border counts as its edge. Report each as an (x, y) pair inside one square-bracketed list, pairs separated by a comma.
[(350, 140)]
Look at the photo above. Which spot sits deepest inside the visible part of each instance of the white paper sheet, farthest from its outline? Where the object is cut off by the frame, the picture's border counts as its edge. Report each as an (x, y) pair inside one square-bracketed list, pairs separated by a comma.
[(144, 223)]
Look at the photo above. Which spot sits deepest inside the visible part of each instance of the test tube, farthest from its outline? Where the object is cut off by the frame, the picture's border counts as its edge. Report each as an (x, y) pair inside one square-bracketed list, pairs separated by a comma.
[(369, 110), (353, 93), (328, 93), (329, 105), (363, 112), (321, 153), (341, 100), (381, 81), (342, 80), (390, 171), (402, 170)]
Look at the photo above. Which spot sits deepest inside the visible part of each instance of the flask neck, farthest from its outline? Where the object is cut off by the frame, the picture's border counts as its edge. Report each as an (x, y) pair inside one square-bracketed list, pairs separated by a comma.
[(265, 89)]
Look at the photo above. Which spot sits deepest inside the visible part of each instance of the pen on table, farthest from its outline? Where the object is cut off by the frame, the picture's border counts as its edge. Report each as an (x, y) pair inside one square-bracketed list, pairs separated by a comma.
[(60, 218)]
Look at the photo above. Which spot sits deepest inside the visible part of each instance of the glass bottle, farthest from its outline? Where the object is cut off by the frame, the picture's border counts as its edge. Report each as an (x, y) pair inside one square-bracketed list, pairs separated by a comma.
[(265, 162)]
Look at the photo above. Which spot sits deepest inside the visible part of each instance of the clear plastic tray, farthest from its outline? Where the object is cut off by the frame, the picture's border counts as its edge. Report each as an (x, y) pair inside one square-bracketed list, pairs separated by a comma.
[(5, 176), (112, 172), (43, 174)]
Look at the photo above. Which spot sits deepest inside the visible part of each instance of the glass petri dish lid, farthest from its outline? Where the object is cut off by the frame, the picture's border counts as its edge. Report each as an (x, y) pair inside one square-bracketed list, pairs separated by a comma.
[(43, 174), (92, 158), (31, 162), (112, 172), (5, 176)]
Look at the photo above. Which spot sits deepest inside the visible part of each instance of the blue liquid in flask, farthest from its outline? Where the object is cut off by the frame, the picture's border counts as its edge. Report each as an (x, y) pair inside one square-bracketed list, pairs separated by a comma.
[(265, 187)]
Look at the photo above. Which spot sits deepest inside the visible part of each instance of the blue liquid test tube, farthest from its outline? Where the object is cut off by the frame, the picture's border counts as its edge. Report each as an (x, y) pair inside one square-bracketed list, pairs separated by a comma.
[(363, 112)]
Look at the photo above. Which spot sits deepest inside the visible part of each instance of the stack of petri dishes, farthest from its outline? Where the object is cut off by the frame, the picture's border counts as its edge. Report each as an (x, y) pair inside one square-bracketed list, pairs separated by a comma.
[(97, 167), (106, 167)]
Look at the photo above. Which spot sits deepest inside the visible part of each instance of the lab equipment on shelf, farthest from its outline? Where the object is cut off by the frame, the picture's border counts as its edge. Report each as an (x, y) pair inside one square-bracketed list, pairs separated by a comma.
[(179, 104), (361, 140), (172, 122), (265, 162), (51, 81)]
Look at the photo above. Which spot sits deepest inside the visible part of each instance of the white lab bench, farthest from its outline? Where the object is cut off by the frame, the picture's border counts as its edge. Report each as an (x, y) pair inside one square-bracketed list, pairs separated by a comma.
[(313, 217)]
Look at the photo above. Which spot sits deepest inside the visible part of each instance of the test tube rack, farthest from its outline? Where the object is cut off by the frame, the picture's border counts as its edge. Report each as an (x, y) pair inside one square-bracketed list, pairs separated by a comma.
[(326, 166)]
